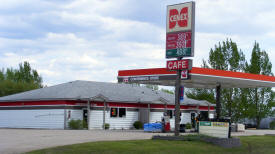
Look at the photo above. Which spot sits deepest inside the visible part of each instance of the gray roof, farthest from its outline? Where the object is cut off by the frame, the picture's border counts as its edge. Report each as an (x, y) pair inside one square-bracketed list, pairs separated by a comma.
[(113, 92)]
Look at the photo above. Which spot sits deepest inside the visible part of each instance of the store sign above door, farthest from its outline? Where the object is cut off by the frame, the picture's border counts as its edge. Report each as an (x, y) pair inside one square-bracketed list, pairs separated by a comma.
[(185, 64), (184, 75), (180, 30)]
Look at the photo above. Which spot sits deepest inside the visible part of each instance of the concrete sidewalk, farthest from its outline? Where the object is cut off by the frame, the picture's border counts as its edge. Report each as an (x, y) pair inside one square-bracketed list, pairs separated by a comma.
[(251, 132), (23, 140)]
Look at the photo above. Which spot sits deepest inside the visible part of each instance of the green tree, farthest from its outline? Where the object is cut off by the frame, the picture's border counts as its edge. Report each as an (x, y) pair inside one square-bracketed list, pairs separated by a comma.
[(150, 86), (168, 91), (224, 56), (201, 94), (19, 80), (260, 99), (2, 75), (227, 56)]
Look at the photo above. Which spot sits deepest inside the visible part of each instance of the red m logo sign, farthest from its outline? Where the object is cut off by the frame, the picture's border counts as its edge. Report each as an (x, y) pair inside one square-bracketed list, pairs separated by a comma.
[(178, 18)]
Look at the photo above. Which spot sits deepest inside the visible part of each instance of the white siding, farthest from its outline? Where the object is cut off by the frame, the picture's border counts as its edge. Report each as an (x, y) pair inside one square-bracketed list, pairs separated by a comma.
[(50, 119), (122, 122), (75, 115), (96, 120), (155, 117), (172, 123), (185, 118)]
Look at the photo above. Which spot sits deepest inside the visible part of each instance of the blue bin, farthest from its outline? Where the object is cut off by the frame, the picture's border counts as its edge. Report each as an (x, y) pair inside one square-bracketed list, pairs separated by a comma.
[(152, 127)]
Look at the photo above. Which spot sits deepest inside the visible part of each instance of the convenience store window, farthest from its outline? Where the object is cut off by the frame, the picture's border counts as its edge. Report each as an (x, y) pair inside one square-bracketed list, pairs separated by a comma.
[(122, 112), (170, 113), (118, 112)]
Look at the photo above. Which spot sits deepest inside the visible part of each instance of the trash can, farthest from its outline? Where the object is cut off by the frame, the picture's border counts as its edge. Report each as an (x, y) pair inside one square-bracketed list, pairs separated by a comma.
[(182, 128)]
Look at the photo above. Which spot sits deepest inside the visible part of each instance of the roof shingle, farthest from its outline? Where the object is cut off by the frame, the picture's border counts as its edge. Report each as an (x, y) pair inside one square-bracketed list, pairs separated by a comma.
[(114, 92)]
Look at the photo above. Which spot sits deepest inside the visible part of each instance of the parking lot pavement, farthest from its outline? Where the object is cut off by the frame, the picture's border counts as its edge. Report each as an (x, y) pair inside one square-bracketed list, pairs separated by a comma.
[(23, 140), (249, 132)]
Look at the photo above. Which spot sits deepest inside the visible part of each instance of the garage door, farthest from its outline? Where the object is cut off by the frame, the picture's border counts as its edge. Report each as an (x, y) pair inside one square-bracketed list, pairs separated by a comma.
[(49, 119)]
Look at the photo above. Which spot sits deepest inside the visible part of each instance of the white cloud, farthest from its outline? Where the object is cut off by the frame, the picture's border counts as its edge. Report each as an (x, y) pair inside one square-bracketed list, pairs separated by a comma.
[(65, 57), (90, 40), (222, 11)]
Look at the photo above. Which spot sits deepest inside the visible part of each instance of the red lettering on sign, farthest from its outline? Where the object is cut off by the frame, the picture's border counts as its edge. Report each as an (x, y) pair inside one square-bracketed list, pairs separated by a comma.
[(178, 18), (178, 40), (125, 80), (173, 13), (179, 64)]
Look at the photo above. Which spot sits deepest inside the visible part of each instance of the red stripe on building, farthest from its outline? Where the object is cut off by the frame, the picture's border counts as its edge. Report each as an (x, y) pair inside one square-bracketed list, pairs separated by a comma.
[(137, 105), (36, 103), (100, 104)]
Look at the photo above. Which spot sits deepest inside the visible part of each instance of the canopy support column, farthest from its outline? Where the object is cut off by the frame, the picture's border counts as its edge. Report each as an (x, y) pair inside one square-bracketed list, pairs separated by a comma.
[(218, 101)]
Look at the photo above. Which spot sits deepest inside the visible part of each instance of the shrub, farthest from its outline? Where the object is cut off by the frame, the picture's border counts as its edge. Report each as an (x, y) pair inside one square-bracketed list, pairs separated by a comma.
[(75, 124), (138, 125), (188, 126), (272, 125), (107, 126)]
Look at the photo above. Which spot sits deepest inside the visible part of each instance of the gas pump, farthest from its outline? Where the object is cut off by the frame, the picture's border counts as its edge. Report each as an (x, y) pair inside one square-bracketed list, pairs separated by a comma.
[(166, 123)]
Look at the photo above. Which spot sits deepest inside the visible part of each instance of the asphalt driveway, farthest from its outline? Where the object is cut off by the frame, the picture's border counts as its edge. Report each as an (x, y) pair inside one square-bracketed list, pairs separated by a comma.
[(23, 140)]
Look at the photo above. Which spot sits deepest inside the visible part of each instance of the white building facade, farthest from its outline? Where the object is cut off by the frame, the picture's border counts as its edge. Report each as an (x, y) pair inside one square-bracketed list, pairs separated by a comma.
[(97, 103)]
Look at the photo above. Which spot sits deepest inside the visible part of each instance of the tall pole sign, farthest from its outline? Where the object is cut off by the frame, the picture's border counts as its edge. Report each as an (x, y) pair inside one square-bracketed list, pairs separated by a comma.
[(180, 24)]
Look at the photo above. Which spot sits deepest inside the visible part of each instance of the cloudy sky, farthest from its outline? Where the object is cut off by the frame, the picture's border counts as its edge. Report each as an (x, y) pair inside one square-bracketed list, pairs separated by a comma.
[(69, 40)]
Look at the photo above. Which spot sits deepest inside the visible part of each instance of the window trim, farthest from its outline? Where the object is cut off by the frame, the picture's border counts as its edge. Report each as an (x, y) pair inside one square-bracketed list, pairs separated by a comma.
[(111, 112)]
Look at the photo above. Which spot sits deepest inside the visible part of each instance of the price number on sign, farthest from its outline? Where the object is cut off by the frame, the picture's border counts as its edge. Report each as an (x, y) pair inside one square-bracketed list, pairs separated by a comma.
[(181, 44), (181, 52)]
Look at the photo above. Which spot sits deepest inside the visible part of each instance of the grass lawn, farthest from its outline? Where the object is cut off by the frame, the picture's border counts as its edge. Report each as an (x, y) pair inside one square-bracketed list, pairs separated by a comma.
[(250, 144)]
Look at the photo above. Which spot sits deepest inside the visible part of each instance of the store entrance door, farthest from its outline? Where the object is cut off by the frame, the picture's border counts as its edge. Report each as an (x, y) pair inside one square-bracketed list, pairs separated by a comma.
[(85, 118), (193, 119)]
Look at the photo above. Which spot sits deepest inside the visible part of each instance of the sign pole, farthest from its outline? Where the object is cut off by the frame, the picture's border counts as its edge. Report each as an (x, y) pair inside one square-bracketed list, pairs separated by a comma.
[(177, 101), (180, 22)]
